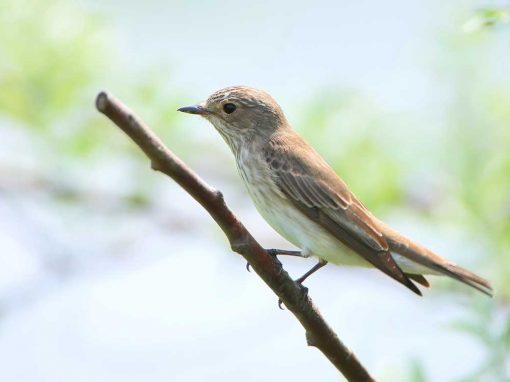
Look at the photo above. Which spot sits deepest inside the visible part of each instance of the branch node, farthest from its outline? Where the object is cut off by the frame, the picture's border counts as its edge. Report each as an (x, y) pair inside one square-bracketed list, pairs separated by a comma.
[(218, 195), (304, 293), (310, 339), (132, 121), (240, 246), (155, 166)]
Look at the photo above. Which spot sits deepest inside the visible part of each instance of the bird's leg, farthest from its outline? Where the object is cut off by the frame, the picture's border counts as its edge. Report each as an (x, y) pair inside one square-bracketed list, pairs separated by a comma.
[(301, 279), (314, 269), (284, 252), (280, 252)]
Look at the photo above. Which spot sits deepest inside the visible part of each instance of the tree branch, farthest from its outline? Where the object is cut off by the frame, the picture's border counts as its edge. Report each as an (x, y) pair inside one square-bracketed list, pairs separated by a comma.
[(293, 295)]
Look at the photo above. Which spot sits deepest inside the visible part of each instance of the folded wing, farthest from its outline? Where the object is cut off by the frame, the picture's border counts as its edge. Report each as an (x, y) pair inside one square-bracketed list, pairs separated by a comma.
[(315, 189)]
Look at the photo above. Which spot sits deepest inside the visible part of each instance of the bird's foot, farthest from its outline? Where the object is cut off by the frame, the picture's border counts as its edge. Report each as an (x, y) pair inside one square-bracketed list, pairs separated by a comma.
[(301, 279), (283, 252), (279, 252), (304, 290)]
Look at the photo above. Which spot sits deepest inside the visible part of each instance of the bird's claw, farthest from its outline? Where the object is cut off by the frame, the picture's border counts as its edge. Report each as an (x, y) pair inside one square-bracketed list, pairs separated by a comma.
[(274, 253), (303, 288)]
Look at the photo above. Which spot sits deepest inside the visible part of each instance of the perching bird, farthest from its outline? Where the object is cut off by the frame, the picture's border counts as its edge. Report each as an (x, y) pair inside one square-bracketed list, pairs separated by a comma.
[(304, 200)]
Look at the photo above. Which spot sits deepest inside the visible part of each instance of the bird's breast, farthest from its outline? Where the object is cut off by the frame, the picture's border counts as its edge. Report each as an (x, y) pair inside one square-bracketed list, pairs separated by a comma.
[(257, 178), (292, 224), (283, 216)]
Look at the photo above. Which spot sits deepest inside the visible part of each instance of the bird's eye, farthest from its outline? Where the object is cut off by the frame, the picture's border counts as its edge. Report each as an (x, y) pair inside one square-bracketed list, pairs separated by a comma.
[(229, 108)]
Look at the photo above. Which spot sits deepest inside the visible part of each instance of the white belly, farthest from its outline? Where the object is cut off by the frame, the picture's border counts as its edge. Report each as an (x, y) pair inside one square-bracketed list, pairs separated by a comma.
[(294, 226), (313, 240), (310, 237)]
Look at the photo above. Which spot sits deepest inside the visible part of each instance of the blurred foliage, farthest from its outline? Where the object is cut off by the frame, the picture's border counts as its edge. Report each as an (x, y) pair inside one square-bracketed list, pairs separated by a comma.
[(487, 18), (494, 338), (480, 167), (47, 67), (416, 373), (328, 121), (52, 72), (55, 67)]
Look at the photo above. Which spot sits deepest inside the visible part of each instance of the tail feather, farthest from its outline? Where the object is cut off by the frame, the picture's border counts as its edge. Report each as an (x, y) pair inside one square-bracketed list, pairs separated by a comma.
[(425, 257), (466, 277)]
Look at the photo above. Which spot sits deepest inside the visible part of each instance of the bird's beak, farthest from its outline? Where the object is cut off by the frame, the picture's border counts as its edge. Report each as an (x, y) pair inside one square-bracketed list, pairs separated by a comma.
[(194, 109)]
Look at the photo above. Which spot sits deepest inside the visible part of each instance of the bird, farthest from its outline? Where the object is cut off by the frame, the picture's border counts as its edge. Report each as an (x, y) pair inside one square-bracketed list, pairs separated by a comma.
[(305, 201)]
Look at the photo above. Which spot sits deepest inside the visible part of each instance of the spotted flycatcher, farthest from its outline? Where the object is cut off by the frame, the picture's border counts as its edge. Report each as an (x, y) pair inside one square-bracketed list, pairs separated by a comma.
[(303, 199)]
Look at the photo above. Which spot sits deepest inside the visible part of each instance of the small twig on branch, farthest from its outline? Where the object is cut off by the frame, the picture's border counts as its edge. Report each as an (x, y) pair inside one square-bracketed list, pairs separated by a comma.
[(293, 295)]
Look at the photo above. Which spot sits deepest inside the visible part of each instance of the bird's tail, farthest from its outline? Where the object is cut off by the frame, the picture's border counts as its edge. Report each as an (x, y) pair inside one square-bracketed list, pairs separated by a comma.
[(466, 277), (437, 264)]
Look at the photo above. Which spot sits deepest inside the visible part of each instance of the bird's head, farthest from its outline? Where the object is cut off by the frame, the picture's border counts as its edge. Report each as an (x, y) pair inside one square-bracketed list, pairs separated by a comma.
[(239, 113)]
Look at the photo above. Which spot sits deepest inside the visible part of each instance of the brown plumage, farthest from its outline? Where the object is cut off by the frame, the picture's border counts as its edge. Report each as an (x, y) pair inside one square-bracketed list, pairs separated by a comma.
[(299, 194)]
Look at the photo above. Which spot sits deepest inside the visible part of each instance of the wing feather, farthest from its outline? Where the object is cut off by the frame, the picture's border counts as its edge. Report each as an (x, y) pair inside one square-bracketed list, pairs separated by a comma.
[(315, 189)]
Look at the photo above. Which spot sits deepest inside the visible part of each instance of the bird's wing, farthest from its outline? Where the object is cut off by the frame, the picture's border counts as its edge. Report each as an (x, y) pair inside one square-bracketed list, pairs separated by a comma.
[(315, 189)]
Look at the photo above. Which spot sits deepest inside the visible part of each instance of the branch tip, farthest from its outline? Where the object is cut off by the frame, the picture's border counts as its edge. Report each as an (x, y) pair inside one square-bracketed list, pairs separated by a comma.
[(102, 101)]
